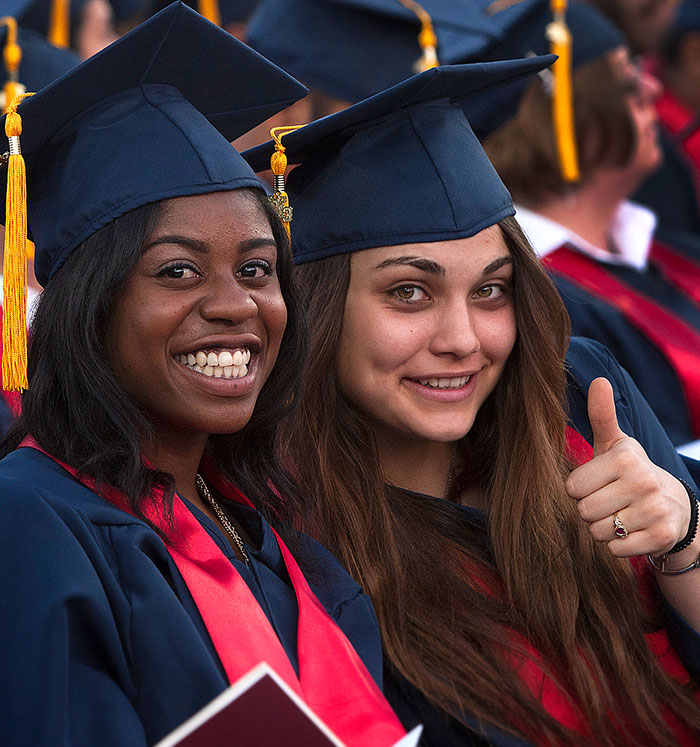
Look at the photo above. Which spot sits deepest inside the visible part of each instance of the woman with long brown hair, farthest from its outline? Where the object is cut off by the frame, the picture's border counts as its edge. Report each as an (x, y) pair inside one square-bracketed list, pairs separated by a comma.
[(432, 444)]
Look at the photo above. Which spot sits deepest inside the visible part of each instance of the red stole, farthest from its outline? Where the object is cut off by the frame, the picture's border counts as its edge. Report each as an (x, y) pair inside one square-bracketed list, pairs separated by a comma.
[(332, 680), (678, 341), (680, 271)]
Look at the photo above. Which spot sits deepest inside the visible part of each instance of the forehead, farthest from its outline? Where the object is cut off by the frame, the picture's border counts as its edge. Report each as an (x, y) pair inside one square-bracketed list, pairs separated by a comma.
[(468, 255), (237, 209)]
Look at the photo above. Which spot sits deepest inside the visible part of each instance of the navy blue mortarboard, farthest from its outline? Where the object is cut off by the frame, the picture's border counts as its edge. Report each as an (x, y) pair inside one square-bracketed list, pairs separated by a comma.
[(352, 49), (148, 118), (592, 35), (400, 167)]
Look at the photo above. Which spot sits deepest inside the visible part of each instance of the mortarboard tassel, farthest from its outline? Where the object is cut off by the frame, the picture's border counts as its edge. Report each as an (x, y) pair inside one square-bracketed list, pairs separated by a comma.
[(210, 10), (427, 39), (59, 23), (562, 105), (12, 56), (14, 282), (278, 163)]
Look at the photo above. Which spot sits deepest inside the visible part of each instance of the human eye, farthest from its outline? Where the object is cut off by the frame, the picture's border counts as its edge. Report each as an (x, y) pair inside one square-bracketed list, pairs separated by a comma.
[(178, 271), (408, 293), (257, 268), (491, 292)]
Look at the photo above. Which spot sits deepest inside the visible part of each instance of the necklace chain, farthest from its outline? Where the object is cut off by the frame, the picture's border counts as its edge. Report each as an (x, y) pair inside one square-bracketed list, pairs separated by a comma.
[(204, 491)]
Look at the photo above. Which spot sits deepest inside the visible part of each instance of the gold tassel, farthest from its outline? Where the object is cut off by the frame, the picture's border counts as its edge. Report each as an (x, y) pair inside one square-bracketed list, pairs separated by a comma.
[(210, 10), (12, 56), (562, 105), (427, 38), (278, 163), (59, 23), (14, 281)]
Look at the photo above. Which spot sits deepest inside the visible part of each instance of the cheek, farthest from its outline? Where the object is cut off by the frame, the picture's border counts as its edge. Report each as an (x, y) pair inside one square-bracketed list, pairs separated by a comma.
[(497, 334), (273, 313)]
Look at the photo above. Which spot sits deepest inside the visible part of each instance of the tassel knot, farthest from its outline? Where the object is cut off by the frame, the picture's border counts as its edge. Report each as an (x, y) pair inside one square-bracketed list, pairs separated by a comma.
[(278, 164)]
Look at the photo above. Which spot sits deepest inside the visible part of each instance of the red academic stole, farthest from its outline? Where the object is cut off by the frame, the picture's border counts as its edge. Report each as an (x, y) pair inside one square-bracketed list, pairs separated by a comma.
[(580, 451), (680, 271), (681, 124), (678, 341), (332, 680)]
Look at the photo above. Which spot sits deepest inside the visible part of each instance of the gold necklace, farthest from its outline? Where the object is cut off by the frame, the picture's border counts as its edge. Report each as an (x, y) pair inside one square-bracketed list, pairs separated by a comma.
[(204, 492)]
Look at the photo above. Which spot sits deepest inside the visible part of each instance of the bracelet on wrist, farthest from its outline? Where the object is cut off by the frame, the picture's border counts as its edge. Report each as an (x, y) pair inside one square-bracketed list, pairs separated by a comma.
[(659, 564), (693, 526)]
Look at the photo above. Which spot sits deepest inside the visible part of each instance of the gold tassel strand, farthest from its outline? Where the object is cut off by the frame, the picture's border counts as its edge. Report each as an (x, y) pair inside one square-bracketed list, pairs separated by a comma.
[(12, 56), (562, 105), (278, 163), (59, 24), (427, 38), (210, 10), (14, 282)]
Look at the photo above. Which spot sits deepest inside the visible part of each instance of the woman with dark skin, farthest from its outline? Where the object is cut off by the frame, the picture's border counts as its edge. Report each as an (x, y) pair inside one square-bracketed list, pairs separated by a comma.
[(500, 547), (140, 576)]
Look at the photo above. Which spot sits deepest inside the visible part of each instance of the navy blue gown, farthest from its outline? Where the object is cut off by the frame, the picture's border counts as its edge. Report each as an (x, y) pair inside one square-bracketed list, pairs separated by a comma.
[(586, 361), (101, 640)]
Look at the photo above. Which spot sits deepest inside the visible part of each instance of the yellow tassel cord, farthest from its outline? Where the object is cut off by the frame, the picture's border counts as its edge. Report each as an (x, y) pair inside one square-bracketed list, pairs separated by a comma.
[(427, 39), (562, 106), (210, 10), (12, 56), (14, 281), (278, 163), (59, 23)]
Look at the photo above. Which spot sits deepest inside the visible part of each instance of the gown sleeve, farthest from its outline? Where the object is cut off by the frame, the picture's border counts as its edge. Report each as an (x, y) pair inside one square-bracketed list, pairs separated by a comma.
[(65, 673), (588, 360)]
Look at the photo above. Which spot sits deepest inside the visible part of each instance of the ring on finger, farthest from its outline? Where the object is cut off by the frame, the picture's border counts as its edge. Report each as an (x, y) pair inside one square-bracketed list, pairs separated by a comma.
[(618, 527)]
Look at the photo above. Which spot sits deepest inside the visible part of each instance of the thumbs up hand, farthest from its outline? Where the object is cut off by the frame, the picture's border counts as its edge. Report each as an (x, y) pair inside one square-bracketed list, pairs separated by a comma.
[(631, 504)]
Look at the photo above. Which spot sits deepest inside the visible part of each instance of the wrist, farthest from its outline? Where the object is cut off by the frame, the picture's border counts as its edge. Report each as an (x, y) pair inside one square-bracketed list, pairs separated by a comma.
[(686, 541)]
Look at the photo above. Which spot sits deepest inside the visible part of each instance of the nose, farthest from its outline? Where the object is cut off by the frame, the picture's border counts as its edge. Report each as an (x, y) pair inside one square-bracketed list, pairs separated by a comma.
[(650, 86), (227, 301), (455, 334)]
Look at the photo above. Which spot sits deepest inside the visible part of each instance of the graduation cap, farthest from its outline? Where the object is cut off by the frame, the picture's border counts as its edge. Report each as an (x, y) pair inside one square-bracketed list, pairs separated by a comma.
[(575, 31), (352, 49), (687, 18), (402, 166), (148, 118), (220, 12)]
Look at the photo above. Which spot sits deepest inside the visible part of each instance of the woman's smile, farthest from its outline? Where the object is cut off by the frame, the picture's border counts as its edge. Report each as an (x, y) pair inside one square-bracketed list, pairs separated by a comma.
[(200, 322), (427, 329)]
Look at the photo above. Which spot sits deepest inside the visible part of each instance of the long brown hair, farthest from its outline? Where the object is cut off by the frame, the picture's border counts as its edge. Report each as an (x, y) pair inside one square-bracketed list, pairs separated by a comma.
[(448, 594)]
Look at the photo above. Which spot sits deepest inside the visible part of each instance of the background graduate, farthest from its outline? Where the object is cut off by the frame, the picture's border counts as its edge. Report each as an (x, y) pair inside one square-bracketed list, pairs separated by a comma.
[(137, 581), (432, 442), (633, 290)]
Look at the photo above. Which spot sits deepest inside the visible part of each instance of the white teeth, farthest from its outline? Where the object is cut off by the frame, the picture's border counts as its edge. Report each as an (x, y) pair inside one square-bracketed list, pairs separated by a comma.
[(226, 364), (445, 383)]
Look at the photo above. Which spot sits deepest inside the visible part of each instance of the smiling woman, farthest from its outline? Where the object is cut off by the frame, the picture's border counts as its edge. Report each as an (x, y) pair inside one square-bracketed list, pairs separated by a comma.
[(139, 572), (499, 547)]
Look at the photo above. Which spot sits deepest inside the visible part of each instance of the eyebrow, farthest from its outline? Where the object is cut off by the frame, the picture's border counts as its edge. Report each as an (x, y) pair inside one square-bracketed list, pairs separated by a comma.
[(248, 245), (496, 265), (426, 265)]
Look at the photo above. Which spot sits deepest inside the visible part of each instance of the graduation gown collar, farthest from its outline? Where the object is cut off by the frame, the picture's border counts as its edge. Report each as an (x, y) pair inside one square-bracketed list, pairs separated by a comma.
[(332, 680)]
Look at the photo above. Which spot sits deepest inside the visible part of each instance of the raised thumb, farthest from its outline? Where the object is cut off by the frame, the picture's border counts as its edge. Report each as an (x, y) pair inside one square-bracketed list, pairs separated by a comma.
[(602, 416)]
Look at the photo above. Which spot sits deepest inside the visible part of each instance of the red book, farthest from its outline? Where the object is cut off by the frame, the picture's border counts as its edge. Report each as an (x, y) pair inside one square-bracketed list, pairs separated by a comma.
[(259, 710)]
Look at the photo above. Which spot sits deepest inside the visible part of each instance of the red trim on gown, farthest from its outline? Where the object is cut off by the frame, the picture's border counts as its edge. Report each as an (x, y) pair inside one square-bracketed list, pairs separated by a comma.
[(332, 680), (678, 341), (675, 117), (677, 269)]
